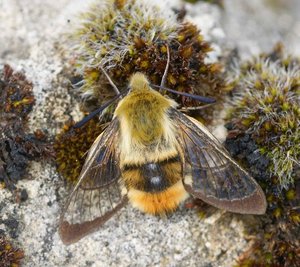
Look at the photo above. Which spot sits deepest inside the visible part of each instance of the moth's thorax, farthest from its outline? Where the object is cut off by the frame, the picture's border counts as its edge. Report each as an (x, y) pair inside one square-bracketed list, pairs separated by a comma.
[(144, 112), (145, 124)]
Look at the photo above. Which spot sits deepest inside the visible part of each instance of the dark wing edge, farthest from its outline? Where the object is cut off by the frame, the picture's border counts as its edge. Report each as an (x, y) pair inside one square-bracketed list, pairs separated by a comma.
[(97, 195), (71, 233), (210, 174)]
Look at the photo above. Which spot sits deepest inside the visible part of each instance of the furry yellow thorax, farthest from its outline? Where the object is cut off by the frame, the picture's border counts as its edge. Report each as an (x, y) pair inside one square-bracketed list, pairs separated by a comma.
[(142, 112)]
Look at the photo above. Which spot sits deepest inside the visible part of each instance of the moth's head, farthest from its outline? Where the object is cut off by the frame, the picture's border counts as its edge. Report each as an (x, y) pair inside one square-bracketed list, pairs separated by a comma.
[(139, 81)]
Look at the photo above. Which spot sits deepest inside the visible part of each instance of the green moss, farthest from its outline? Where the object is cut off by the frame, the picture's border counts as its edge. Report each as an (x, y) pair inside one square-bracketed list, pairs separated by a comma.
[(216, 2), (269, 112), (71, 146), (9, 256), (129, 36), (17, 146), (265, 121), (16, 97)]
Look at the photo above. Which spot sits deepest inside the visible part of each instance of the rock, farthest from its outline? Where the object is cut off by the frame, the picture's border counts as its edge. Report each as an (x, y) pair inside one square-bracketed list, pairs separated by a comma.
[(32, 34)]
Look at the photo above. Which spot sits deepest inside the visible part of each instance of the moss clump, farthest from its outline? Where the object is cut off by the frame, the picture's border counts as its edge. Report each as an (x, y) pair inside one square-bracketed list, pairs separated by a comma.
[(16, 97), (9, 256), (129, 36), (71, 146), (264, 135), (266, 107), (215, 2), (17, 147)]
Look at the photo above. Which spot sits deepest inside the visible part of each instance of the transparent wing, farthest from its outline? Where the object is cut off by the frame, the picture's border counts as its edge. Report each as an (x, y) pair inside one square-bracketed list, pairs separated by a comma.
[(96, 197), (211, 174)]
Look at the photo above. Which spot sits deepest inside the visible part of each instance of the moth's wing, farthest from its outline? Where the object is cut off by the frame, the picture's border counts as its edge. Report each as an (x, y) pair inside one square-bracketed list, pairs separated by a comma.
[(211, 174), (97, 196)]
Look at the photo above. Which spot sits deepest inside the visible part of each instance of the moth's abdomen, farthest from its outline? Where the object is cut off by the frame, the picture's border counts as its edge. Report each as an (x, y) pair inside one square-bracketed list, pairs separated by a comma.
[(158, 203), (155, 187), (153, 177)]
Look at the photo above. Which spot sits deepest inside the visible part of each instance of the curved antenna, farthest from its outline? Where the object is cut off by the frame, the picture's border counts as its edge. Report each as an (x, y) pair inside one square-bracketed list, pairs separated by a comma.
[(164, 77), (110, 80), (207, 100), (203, 99), (105, 105), (98, 111)]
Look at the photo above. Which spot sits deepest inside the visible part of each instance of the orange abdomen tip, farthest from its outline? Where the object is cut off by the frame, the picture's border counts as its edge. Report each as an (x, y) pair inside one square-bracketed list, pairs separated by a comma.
[(158, 203)]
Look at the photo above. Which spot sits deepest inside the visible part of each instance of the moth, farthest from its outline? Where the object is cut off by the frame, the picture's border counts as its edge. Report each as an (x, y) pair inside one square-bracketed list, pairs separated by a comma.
[(154, 157)]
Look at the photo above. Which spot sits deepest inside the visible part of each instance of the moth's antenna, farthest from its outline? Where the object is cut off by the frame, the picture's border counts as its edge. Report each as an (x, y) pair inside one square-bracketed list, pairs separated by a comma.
[(98, 111), (110, 80), (164, 77), (202, 99), (161, 87), (104, 106)]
